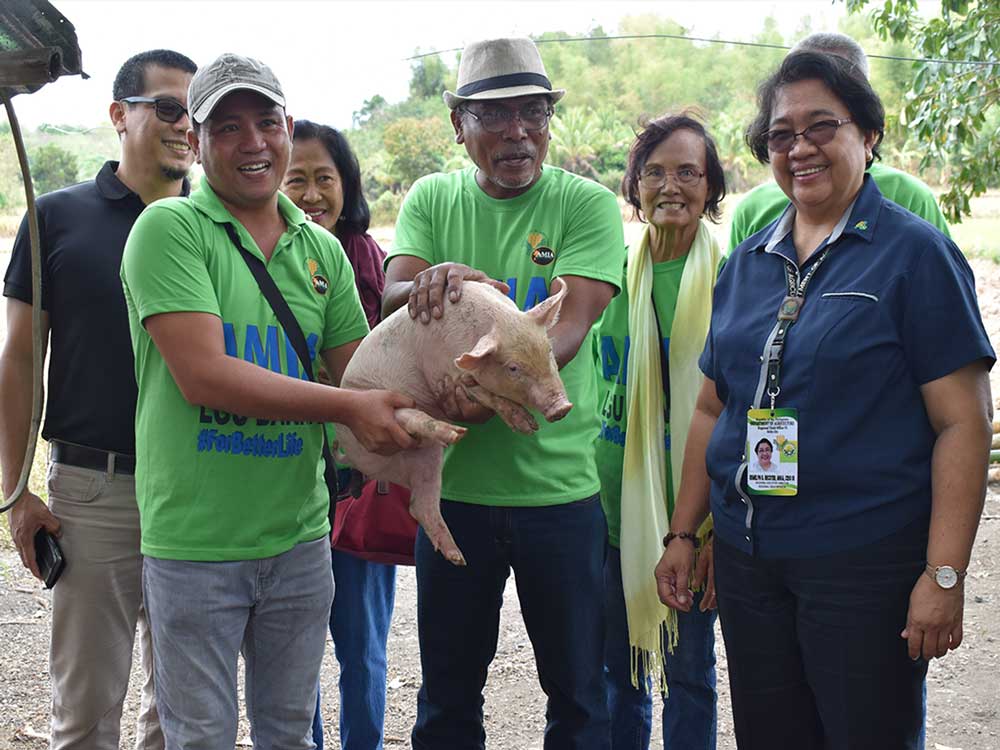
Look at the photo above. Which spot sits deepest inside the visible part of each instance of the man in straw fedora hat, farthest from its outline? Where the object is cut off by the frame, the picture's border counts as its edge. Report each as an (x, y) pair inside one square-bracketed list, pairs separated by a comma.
[(527, 503)]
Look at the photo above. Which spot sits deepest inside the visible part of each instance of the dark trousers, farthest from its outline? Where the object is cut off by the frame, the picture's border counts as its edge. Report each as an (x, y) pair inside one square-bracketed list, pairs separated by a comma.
[(690, 717), (557, 555), (815, 655)]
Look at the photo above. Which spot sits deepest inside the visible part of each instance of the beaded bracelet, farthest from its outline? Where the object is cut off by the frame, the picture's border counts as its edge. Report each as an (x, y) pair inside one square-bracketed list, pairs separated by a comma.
[(693, 538)]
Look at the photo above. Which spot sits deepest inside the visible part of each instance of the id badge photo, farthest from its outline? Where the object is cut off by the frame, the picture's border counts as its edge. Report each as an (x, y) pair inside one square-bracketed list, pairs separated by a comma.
[(773, 452)]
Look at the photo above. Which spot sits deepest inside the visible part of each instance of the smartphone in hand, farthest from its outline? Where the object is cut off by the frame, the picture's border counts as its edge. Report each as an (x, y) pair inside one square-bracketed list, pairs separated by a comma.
[(49, 557)]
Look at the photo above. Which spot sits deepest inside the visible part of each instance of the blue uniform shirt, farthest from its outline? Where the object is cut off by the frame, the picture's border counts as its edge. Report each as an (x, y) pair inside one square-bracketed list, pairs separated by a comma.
[(893, 306)]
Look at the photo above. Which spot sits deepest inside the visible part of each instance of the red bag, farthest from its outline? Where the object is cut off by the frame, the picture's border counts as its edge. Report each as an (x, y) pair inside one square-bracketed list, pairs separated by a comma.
[(377, 526)]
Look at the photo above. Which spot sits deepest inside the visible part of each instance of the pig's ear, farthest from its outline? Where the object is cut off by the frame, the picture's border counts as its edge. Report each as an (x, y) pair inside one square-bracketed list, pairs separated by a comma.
[(546, 313), (483, 348)]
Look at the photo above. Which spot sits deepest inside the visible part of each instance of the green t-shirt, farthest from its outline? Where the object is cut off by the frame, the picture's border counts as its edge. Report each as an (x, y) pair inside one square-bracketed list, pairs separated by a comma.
[(213, 486), (764, 203), (563, 225), (612, 368)]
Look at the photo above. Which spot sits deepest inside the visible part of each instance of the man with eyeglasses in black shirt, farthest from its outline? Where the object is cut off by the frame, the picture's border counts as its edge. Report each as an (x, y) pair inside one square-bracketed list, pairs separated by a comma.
[(89, 421)]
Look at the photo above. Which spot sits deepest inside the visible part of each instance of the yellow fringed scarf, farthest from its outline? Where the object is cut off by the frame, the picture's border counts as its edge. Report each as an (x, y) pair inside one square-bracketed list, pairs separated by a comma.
[(644, 491)]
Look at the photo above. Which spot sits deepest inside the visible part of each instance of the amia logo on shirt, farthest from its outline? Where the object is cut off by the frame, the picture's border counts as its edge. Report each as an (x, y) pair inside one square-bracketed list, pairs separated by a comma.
[(319, 282), (541, 253)]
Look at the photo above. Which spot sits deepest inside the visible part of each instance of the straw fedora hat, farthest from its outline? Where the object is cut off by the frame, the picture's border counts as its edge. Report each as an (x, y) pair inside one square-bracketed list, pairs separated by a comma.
[(501, 69)]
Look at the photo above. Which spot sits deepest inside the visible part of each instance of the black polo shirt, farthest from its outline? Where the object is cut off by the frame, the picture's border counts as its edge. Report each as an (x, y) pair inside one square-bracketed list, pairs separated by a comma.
[(91, 385)]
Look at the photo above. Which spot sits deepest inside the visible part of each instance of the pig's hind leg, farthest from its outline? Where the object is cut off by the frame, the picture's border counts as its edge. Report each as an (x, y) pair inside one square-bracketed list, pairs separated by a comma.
[(424, 480), (427, 429)]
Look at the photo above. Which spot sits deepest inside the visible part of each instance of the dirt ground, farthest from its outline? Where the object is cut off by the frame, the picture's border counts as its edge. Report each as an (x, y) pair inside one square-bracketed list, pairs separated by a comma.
[(963, 697)]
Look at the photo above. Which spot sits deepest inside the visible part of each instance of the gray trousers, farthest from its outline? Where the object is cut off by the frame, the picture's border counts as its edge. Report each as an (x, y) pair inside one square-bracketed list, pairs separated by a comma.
[(96, 606)]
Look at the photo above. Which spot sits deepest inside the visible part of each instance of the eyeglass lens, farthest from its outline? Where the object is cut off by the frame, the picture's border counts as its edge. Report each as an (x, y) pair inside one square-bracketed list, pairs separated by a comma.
[(496, 119), (655, 177), (820, 133), (168, 110)]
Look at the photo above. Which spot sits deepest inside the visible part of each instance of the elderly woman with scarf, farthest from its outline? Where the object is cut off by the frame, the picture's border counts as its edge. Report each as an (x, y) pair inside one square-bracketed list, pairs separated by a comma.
[(650, 339)]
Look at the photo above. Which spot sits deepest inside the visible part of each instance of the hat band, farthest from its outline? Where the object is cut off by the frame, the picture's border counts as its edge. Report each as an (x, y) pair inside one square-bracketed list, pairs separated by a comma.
[(504, 82)]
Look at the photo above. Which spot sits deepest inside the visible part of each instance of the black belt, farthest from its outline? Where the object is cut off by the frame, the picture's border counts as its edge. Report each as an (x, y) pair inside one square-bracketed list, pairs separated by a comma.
[(91, 458)]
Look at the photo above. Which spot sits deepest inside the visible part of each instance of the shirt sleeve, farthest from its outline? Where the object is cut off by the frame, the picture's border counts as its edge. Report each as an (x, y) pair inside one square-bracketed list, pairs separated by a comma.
[(17, 281), (414, 233), (706, 362), (737, 229), (942, 329), (925, 205), (594, 244), (345, 318), (164, 267)]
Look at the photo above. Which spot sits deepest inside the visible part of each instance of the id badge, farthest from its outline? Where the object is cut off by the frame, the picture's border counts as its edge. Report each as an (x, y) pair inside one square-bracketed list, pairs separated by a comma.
[(773, 451)]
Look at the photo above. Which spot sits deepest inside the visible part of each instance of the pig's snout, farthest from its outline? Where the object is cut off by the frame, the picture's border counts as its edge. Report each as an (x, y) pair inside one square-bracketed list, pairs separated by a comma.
[(557, 410)]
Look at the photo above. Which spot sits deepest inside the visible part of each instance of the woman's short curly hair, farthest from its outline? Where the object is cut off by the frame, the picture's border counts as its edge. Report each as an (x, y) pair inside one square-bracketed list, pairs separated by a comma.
[(839, 76), (651, 135)]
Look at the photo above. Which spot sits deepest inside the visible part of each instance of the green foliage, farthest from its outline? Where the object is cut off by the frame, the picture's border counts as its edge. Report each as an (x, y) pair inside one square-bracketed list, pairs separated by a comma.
[(385, 208), (415, 147), (428, 77), (52, 167), (614, 85), (573, 145), (951, 109), (369, 109)]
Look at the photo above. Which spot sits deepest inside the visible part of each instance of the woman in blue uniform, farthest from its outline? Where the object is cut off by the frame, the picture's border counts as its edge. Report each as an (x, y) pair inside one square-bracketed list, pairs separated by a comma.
[(850, 328)]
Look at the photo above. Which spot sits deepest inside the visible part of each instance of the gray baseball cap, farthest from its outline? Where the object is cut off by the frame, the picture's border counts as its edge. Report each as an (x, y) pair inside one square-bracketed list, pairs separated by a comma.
[(229, 73)]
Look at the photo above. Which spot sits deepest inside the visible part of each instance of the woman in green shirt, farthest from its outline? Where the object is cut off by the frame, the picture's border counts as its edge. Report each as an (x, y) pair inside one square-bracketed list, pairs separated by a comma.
[(650, 338)]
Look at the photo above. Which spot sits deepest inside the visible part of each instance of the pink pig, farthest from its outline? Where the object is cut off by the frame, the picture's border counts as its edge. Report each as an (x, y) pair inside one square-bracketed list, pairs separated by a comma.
[(501, 356)]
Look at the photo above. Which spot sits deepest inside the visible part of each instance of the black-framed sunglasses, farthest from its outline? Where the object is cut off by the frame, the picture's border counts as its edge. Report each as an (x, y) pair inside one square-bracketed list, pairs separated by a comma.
[(497, 119), (656, 177), (781, 140), (167, 109)]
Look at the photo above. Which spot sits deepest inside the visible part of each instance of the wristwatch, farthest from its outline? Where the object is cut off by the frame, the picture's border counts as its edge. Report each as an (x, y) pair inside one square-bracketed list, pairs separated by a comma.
[(944, 576)]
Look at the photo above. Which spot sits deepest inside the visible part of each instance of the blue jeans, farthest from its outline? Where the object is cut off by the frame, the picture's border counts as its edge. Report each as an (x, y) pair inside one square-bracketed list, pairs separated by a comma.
[(689, 708), (557, 555), (815, 657), (359, 623), (203, 614)]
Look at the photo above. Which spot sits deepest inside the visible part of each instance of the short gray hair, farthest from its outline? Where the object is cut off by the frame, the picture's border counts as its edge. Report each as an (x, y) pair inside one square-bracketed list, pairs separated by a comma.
[(835, 43)]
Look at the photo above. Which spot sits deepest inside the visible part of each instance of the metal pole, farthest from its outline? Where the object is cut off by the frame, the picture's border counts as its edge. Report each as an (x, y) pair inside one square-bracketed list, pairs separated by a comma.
[(36, 308)]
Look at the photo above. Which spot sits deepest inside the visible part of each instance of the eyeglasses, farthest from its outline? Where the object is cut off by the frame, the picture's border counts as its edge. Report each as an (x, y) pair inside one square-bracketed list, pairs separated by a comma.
[(497, 119), (655, 177), (820, 133), (167, 110)]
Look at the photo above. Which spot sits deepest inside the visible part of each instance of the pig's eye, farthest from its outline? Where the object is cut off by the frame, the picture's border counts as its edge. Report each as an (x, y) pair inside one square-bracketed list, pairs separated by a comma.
[(513, 369)]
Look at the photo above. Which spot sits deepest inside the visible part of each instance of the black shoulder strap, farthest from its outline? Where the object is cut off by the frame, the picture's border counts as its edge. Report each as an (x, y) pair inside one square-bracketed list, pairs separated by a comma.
[(292, 329)]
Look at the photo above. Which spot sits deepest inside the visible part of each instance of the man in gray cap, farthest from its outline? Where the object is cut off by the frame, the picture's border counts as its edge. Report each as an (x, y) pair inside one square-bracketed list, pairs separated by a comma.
[(230, 483), (513, 502)]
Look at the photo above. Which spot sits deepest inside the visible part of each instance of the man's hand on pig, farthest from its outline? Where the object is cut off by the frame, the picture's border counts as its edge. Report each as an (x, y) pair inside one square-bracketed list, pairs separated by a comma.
[(373, 421), (429, 286), (457, 406)]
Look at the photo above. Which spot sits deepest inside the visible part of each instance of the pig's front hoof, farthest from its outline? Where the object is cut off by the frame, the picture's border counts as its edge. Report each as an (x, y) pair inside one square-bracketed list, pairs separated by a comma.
[(427, 429), (520, 420), (443, 432)]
